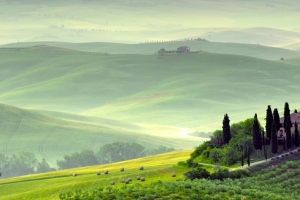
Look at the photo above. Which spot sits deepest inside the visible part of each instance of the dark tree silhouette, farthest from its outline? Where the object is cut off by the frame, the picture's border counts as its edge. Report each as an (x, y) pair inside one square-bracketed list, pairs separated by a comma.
[(288, 133), (274, 143), (264, 144), (269, 121), (286, 114), (296, 135), (248, 156), (257, 140), (276, 119), (226, 129)]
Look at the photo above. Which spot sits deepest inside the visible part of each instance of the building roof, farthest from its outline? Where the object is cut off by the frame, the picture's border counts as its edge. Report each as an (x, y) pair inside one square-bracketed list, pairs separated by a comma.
[(295, 117), (183, 47)]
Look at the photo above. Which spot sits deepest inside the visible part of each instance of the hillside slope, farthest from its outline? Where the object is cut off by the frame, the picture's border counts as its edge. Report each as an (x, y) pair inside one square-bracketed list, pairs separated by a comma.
[(51, 137), (188, 91), (252, 50)]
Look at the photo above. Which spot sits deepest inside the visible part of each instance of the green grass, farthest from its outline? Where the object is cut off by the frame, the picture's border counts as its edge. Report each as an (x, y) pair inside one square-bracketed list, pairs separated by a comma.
[(49, 185), (52, 137), (178, 91), (252, 50)]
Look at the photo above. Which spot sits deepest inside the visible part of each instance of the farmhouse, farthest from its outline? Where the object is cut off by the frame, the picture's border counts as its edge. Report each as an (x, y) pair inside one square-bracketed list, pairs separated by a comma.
[(183, 49), (295, 117)]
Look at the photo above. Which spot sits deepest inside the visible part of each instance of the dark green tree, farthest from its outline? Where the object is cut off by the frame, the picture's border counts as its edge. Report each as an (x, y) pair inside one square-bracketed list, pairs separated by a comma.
[(269, 121), (274, 142), (284, 144), (256, 135), (264, 145), (226, 130), (276, 119), (295, 111), (43, 167), (288, 133), (242, 158), (248, 156), (296, 135), (286, 115)]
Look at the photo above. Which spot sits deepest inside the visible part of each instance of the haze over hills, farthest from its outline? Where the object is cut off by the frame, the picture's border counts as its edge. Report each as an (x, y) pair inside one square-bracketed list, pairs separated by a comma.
[(53, 135), (137, 21), (190, 91), (258, 51)]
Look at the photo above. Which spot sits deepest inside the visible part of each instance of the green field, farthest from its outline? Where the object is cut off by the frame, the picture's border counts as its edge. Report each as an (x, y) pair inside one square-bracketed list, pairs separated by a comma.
[(190, 91), (252, 50), (52, 137), (140, 21), (49, 185)]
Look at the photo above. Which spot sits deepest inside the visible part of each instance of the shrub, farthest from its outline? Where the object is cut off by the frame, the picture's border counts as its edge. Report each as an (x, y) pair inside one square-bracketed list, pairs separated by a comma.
[(98, 173), (197, 173), (112, 182), (122, 169), (74, 174), (138, 178), (106, 172), (142, 179), (141, 167), (173, 175)]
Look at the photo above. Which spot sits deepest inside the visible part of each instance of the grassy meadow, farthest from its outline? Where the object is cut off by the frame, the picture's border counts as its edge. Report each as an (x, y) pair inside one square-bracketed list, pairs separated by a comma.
[(183, 91), (49, 185), (52, 137), (252, 50)]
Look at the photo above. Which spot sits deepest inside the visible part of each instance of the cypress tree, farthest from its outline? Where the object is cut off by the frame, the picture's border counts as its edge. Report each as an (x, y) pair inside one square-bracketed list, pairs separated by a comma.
[(296, 135), (295, 111), (264, 145), (274, 143), (248, 156), (288, 133), (276, 119), (226, 129), (269, 121), (286, 115), (284, 144), (257, 142), (293, 140), (242, 159)]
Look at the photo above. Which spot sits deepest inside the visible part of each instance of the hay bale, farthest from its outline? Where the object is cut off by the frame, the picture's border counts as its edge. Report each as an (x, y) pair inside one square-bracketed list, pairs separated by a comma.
[(142, 179), (112, 182), (122, 169), (123, 180), (141, 167), (173, 175), (98, 173), (106, 172), (129, 179), (138, 178), (74, 174)]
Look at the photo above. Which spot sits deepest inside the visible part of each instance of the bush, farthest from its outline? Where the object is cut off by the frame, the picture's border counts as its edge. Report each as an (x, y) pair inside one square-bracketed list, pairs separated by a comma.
[(197, 173)]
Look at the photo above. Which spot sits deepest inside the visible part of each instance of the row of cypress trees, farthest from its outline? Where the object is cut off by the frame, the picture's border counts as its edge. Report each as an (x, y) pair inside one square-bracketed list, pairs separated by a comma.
[(272, 127)]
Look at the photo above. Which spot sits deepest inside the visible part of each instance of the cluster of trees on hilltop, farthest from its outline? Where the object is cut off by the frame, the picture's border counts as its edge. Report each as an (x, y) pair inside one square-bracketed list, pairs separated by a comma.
[(109, 153), (237, 142)]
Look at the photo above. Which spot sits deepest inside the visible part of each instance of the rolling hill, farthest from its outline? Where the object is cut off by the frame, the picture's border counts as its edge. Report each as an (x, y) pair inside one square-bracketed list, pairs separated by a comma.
[(52, 137), (49, 185), (140, 20), (257, 51), (187, 91)]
